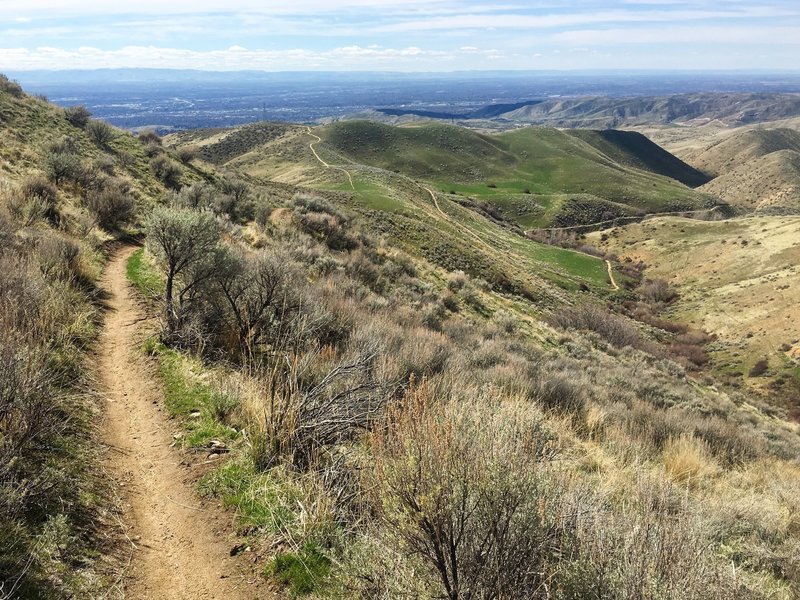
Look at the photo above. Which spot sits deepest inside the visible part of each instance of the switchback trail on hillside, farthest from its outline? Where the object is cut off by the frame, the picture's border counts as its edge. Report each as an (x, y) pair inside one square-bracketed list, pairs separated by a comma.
[(176, 549), (324, 164)]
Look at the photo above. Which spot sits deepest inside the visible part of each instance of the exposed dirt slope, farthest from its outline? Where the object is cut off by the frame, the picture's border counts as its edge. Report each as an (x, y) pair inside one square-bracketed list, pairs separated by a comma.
[(176, 551)]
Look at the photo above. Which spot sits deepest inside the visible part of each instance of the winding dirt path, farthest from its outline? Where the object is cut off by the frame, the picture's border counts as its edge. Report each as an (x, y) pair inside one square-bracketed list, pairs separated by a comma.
[(175, 551), (324, 164)]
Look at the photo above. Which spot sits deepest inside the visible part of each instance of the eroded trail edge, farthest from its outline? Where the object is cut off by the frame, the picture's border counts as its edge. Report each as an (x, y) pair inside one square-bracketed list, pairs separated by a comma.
[(177, 552)]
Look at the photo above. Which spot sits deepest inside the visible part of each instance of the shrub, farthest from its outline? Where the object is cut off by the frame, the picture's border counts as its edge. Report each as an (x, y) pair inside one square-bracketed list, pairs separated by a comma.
[(185, 241), (58, 257), (111, 206), (62, 166), (187, 154), (78, 115), (461, 491), (591, 317), (11, 87), (562, 393), (166, 170), (38, 188), (100, 132), (149, 137), (658, 291), (759, 368)]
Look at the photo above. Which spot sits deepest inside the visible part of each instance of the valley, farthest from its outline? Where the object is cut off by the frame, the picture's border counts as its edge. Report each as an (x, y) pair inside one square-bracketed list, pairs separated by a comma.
[(294, 360)]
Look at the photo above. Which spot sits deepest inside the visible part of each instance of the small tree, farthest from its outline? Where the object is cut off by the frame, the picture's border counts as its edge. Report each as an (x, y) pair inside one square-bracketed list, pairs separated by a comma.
[(186, 241)]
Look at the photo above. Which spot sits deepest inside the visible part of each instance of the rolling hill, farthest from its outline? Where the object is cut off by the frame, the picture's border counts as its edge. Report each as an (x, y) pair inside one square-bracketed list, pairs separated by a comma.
[(528, 173), (754, 169), (734, 150), (696, 109), (768, 184)]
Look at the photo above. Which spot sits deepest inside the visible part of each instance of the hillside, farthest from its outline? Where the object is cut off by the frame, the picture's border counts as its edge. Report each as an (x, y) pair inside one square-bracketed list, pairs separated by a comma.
[(695, 109), (736, 149), (738, 279), (769, 184), (325, 368), (527, 174)]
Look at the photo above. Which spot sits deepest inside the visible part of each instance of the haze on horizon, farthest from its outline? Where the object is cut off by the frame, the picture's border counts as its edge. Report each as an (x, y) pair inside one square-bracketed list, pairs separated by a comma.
[(399, 35)]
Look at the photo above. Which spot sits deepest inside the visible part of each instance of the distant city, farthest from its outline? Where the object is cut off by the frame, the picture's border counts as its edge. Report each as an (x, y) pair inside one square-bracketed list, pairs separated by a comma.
[(183, 99)]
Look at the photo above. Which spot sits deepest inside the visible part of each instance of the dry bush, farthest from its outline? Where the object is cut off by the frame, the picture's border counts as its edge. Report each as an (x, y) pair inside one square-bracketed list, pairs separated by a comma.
[(457, 280), (78, 115), (650, 547), (463, 492), (100, 132), (658, 291), (187, 154), (304, 422), (149, 137), (261, 297), (688, 460), (166, 170), (591, 317), (562, 392), (58, 257), (112, 205), (11, 87)]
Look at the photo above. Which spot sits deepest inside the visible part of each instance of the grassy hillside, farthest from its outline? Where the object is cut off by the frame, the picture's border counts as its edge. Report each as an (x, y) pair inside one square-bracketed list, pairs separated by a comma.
[(633, 149), (527, 173)]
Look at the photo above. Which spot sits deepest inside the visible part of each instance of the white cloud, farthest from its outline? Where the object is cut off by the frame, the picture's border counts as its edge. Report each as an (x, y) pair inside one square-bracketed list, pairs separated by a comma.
[(233, 58), (683, 35)]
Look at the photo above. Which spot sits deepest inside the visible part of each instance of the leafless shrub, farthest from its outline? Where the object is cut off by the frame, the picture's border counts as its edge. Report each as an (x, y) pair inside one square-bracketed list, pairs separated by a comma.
[(591, 317), (658, 291), (298, 422)]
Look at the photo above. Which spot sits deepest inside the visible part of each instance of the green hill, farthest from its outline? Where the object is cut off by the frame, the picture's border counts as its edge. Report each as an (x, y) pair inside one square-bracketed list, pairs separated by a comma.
[(526, 173)]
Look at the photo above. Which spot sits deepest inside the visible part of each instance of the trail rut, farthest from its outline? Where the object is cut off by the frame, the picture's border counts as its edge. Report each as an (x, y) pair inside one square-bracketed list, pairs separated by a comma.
[(176, 551)]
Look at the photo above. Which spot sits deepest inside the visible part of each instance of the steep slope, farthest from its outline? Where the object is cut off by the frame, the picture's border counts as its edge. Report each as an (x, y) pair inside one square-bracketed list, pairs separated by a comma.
[(636, 150)]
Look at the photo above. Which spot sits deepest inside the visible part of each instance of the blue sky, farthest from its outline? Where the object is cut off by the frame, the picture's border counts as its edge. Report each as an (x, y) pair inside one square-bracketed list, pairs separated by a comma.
[(399, 35)]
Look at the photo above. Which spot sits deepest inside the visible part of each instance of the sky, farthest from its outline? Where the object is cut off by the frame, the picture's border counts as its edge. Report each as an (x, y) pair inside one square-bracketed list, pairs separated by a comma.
[(400, 35)]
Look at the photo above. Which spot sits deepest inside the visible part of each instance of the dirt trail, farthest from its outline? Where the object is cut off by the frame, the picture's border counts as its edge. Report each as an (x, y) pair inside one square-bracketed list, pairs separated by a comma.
[(324, 164), (611, 275), (175, 551)]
